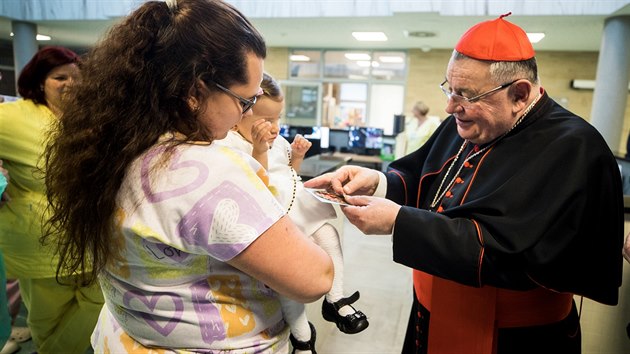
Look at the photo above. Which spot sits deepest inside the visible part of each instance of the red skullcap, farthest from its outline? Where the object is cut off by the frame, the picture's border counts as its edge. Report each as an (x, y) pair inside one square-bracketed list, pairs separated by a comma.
[(496, 40)]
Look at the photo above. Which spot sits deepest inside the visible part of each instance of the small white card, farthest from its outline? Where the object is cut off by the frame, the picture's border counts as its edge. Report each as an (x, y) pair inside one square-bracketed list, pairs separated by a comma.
[(327, 197)]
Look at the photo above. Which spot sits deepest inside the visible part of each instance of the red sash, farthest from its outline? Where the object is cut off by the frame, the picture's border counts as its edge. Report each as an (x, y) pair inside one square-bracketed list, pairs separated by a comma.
[(465, 319)]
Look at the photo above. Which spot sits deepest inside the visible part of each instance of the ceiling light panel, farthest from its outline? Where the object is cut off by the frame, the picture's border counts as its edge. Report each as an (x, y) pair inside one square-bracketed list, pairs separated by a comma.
[(535, 37), (370, 36), (299, 57), (357, 56)]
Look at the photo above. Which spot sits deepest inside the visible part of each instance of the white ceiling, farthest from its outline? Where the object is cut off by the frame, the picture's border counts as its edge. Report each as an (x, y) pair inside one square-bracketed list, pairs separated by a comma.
[(563, 33)]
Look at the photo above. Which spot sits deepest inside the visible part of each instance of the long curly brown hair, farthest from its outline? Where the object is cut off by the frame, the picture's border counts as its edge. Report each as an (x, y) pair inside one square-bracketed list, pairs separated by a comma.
[(135, 87)]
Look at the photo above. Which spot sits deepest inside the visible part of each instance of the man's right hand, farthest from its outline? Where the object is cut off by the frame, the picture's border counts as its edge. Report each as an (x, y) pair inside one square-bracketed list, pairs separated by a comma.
[(347, 180)]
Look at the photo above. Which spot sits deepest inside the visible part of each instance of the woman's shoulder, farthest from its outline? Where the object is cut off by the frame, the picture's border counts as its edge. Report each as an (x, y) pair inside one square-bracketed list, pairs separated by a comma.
[(198, 167), (236, 141)]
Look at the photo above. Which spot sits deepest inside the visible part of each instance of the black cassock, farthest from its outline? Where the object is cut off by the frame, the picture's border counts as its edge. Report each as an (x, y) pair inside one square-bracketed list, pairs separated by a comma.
[(541, 207)]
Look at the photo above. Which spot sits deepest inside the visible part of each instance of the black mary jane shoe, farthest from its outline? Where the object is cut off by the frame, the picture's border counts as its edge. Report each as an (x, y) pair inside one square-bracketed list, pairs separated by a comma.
[(349, 324), (299, 345)]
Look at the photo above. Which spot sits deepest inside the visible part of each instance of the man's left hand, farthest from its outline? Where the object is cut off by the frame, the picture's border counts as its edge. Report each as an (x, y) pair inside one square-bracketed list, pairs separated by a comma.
[(371, 215)]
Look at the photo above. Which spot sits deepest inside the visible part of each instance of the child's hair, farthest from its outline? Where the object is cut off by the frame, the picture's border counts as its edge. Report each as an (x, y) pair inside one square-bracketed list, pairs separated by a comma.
[(271, 88)]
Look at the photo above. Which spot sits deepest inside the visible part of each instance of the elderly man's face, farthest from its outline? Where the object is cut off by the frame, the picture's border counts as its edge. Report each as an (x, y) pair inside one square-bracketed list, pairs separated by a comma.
[(486, 119)]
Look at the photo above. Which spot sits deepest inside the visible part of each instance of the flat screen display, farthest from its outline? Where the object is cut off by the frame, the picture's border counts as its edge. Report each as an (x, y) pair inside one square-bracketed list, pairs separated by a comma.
[(311, 133), (365, 138), (321, 133)]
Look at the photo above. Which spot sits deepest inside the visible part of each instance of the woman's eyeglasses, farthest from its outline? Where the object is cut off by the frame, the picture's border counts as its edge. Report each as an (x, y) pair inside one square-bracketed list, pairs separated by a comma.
[(247, 104)]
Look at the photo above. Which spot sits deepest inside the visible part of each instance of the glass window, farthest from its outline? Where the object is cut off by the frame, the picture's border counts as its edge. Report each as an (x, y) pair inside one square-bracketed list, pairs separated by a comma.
[(345, 104), (302, 103), (351, 88), (389, 66), (354, 65), (305, 64)]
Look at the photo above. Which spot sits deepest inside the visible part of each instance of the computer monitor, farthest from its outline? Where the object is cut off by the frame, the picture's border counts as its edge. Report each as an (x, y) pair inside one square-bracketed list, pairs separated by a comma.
[(321, 133), (338, 140), (365, 140), (319, 136)]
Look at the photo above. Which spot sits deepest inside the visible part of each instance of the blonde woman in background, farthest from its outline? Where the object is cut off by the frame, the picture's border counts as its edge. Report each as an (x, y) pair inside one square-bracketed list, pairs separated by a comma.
[(418, 129)]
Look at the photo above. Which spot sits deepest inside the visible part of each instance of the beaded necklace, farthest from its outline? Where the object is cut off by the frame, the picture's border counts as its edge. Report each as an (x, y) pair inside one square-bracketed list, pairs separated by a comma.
[(294, 178), (439, 194)]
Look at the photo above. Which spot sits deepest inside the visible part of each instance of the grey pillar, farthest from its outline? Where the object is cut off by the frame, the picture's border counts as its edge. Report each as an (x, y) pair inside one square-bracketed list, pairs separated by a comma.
[(611, 85), (24, 44)]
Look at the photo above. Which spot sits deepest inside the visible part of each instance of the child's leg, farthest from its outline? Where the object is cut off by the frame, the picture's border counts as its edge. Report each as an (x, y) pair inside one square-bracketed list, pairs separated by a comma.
[(336, 308), (302, 332), (295, 315), (327, 238)]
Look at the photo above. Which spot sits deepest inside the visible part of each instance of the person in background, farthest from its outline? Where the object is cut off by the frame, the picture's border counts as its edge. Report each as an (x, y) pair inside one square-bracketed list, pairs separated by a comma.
[(10, 295), (510, 209), (189, 245), (257, 135), (60, 316), (417, 130)]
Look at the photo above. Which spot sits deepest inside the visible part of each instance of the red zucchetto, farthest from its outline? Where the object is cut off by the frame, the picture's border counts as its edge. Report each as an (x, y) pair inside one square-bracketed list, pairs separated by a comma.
[(496, 40)]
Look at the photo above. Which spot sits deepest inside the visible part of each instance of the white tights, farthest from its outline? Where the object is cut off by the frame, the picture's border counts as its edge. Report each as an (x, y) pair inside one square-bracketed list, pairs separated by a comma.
[(294, 312)]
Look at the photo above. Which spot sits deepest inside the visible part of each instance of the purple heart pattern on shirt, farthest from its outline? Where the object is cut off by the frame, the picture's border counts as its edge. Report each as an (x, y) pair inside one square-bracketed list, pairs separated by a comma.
[(146, 306), (224, 221)]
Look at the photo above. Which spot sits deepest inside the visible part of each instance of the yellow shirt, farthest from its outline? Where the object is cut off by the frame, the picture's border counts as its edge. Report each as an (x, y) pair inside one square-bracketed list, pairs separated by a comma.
[(417, 135), (23, 126)]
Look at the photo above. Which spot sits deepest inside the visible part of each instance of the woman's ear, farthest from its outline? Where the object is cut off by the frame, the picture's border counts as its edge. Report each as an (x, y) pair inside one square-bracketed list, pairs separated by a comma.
[(193, 104), (194, 92)]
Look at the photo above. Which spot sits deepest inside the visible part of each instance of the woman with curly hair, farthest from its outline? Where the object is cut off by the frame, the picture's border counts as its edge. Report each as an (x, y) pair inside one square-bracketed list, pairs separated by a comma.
[(190, 247)]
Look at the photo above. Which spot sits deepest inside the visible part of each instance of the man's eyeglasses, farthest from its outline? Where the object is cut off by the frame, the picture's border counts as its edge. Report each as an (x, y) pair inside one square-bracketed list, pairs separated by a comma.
[(247, 104), (459, 99)]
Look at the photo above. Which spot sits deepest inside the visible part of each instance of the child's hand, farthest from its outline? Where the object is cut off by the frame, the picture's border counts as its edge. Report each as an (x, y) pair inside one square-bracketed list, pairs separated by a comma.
[(262, 136), (300, 146)]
